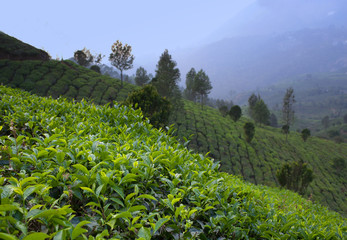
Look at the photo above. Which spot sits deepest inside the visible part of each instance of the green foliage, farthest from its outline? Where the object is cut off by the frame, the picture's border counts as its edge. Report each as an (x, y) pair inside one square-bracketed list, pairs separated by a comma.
[(295, 176), (12, 48), (63, 78), (249, 130), (189, 92), (252, 101), (141, 77), (83, 57), (201, 86), (167, 76), (154, 107), (305, 133), (285, 129), (235, 113), (340, 166), (258, 110), (223, 110), (257, 162), (82, 171), (261, 113)]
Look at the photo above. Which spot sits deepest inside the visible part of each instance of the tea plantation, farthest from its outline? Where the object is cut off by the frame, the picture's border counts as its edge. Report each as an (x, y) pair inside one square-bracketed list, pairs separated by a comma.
[(62, 78), (259, 160), (83, 171)]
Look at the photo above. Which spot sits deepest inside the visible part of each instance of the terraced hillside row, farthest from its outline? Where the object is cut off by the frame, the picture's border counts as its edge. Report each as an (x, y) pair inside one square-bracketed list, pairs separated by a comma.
[(62, 78), (258, 161), (83, 171)]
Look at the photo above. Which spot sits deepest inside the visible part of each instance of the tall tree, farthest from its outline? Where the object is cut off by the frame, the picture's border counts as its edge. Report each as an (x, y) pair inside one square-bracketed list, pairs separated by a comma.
[(189, 92), (252, 101), (121, 58), (261, 113), (202, 86), (258, 110), (141, 77), (167, 76), (288, 109)]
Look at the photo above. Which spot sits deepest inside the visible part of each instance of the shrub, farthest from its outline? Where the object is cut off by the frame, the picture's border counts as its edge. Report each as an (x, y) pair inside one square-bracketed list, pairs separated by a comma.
[(295, 176), (249, 131), (305, 133), (95, 68), (235, 113), (156, 108)]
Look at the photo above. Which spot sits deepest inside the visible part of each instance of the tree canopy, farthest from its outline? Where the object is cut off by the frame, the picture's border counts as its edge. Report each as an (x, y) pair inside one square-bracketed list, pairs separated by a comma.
[(167, 76), (249, 130), (83, 57), (189, 92), (258, 110), (235, 113), (202, 86), (121, 57), (141, 77)]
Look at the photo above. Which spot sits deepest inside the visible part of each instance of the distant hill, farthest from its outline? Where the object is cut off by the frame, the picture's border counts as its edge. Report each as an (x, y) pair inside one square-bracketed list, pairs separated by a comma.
[(14, 49), (246, 63), (259, 160), (317, 95)]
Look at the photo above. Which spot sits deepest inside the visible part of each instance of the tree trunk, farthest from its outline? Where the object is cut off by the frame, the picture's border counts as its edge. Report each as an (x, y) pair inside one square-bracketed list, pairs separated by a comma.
[(121, 78)]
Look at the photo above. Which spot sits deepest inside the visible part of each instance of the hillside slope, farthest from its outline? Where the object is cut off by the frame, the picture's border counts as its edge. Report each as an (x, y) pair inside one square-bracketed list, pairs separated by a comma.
[(258, 161), (62, 78), (14, 49), (78, 170), (317, 95), (247, 63)]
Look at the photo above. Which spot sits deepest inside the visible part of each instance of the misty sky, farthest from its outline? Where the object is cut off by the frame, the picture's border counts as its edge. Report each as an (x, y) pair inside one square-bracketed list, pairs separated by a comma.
[(151, 26)]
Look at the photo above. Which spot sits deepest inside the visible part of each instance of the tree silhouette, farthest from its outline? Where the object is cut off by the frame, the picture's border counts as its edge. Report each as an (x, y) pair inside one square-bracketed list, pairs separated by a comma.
[(121, 58)]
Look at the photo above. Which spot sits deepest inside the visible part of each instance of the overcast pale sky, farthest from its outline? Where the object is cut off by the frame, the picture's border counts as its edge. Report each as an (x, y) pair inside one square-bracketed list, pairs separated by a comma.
[(149, 26)]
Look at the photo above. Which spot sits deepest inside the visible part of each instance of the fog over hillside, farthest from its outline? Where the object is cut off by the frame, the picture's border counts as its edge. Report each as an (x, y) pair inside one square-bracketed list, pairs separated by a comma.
[(271, 40)]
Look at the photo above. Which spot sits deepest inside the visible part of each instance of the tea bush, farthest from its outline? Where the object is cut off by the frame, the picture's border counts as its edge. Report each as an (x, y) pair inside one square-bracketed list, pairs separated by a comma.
[(82, 171)]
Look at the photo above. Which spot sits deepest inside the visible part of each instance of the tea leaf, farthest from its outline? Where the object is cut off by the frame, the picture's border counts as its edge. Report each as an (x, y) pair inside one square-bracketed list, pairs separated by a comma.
[(144, 233), (160, 223), (36, 236), (78, 230)]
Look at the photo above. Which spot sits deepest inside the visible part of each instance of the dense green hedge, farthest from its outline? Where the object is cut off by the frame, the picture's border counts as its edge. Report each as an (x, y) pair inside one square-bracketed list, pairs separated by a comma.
[(81, 171)]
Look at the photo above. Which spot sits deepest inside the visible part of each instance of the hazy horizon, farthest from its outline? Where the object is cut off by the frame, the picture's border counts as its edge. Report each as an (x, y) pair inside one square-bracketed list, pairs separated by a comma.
[(186, 28)]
